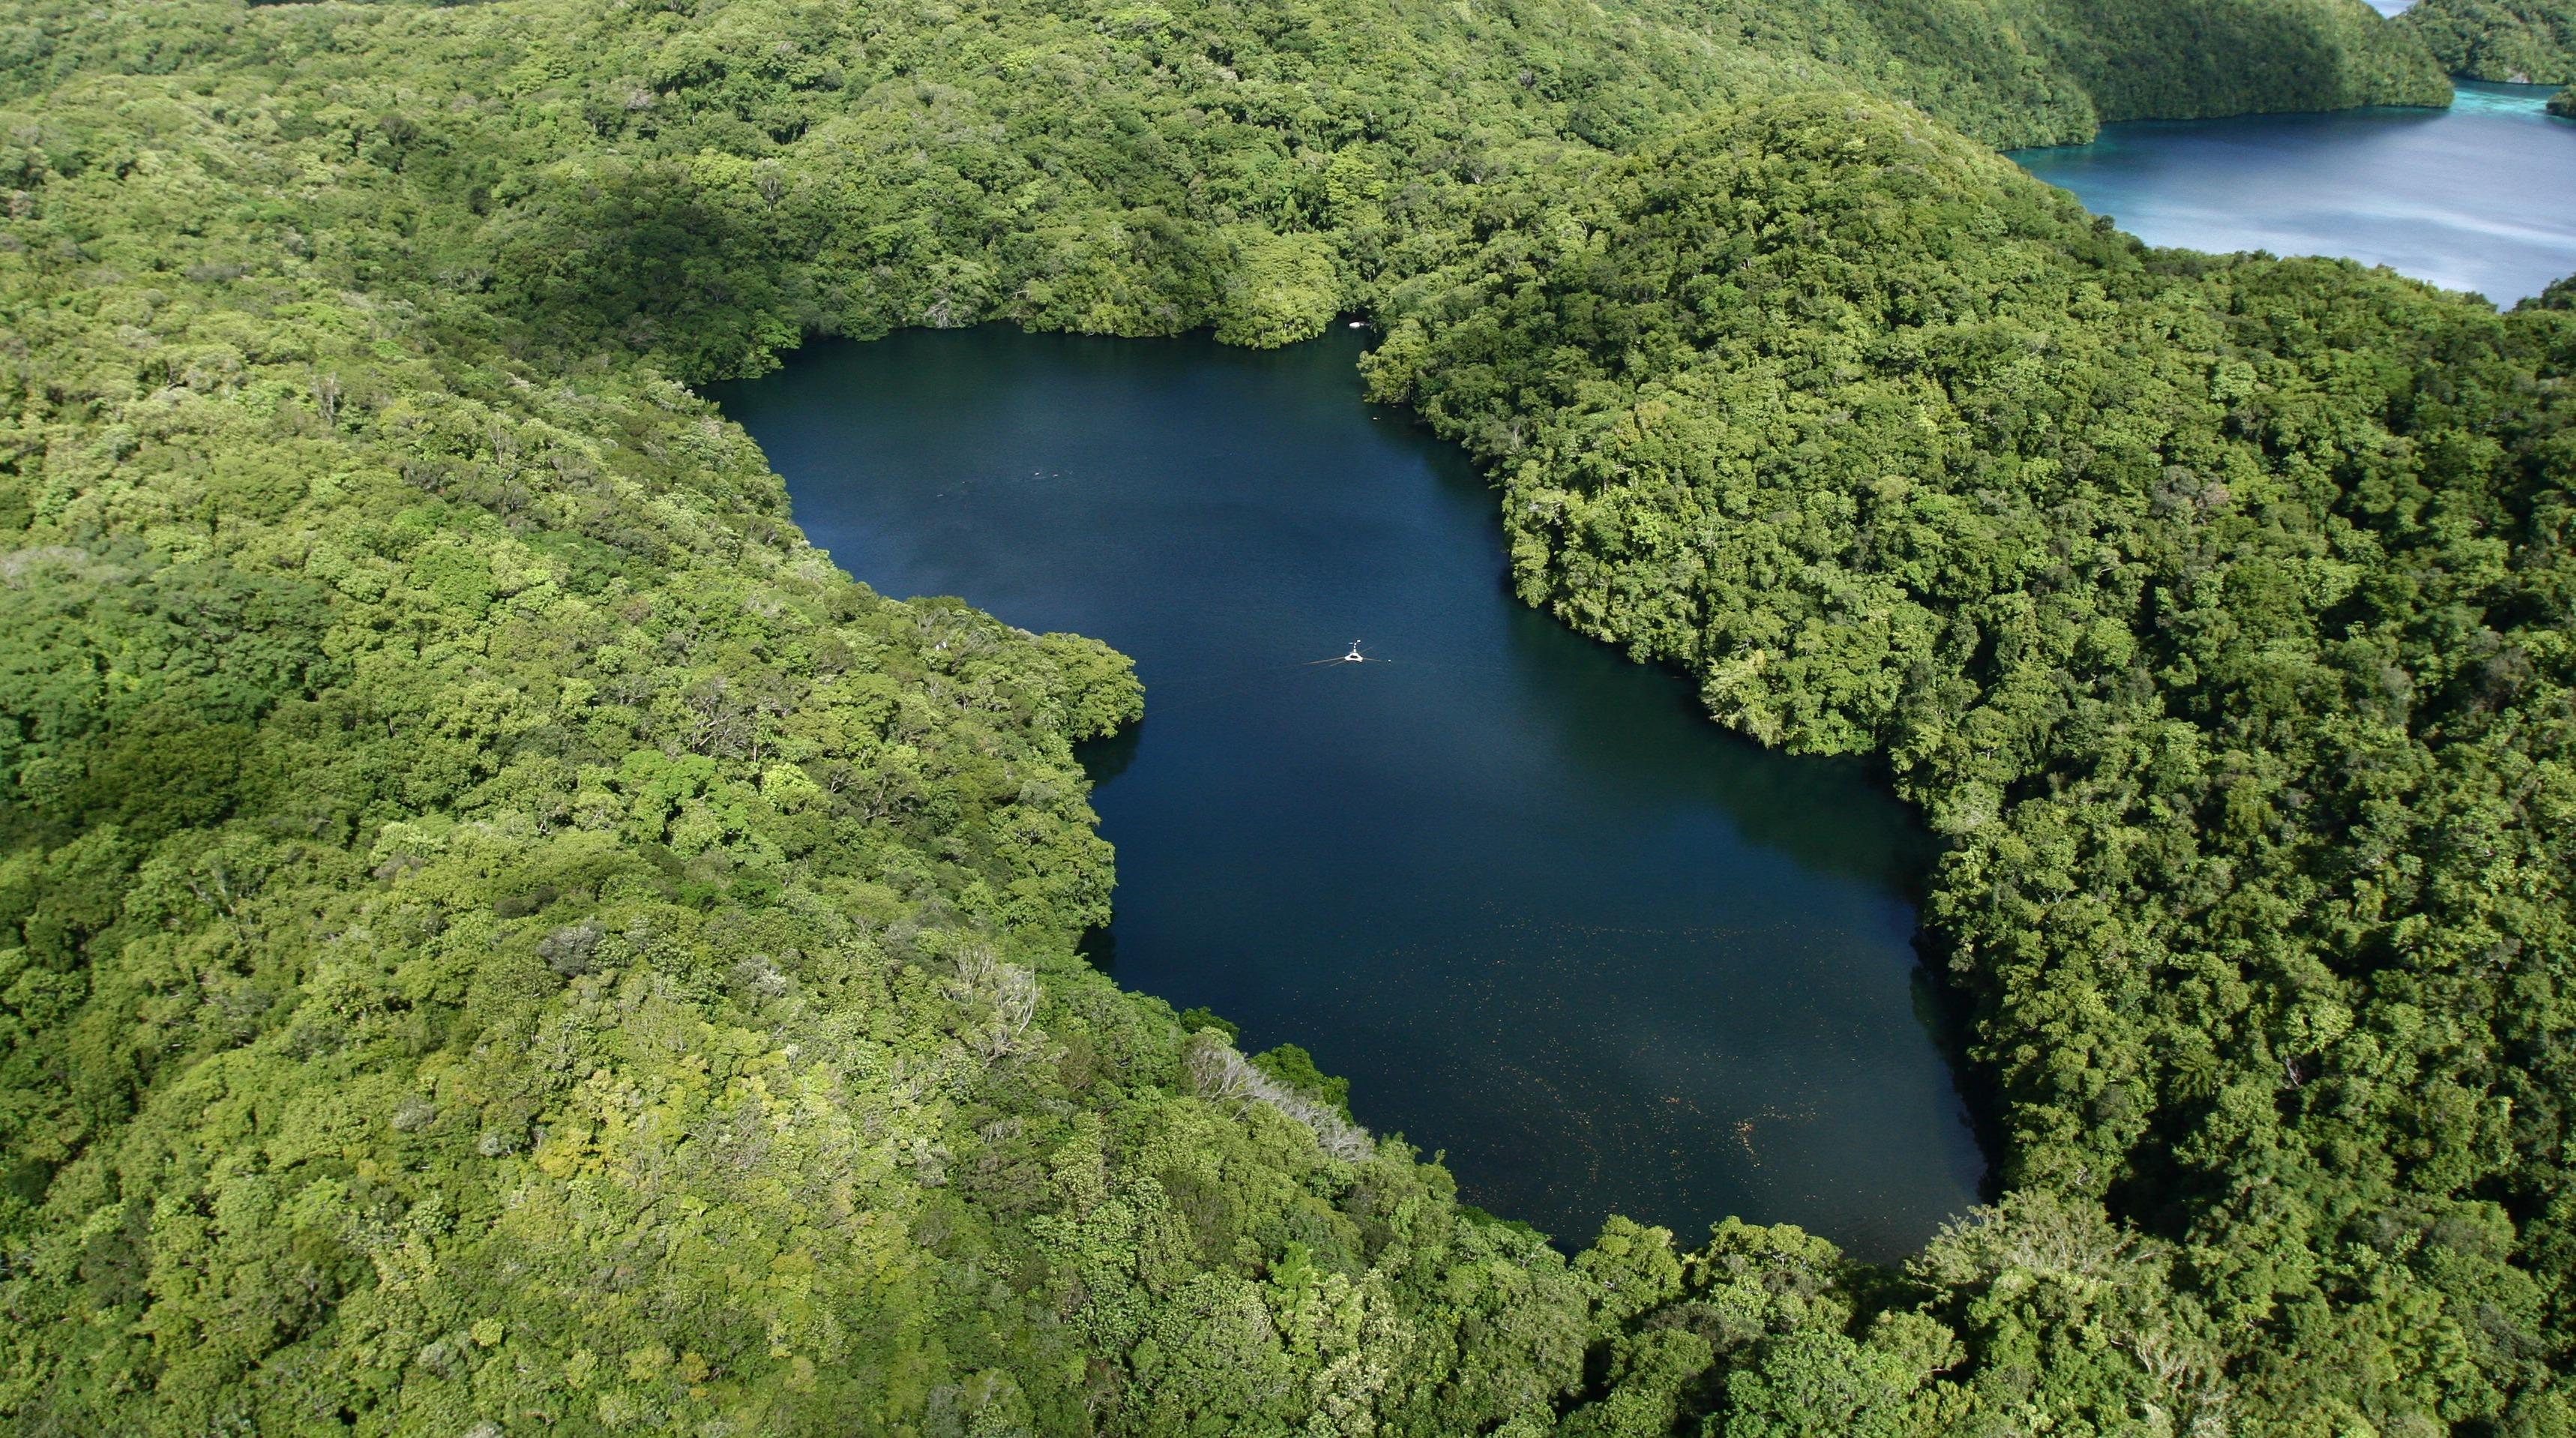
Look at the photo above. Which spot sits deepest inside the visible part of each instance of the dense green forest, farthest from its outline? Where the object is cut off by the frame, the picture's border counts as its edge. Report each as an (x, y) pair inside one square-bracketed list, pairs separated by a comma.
[(2215, 610), (2526, 42), (497, 935)]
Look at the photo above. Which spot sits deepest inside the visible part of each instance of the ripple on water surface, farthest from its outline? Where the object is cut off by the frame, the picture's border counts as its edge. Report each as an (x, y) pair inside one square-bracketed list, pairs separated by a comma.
[(1546, 916), (2480, 197)]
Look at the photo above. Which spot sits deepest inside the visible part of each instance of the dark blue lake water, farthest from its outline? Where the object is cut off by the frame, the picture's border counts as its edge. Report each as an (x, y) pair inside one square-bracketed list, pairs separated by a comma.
[(1548, 919), (1545, 915), (2480, 197)]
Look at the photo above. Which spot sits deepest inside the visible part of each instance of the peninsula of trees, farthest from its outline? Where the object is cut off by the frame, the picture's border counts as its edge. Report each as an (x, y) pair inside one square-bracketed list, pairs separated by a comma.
[(2522, 42), (498, 935)]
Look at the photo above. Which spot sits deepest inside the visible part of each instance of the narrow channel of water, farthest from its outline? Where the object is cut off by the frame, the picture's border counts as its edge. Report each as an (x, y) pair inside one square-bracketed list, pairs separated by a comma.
[(2479, 197), (1545, 915)]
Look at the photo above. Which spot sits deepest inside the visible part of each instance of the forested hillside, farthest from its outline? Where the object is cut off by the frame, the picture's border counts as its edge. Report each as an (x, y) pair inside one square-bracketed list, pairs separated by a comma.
[(2215, 610), (2188, 58), (498, 936), (2526, 42)]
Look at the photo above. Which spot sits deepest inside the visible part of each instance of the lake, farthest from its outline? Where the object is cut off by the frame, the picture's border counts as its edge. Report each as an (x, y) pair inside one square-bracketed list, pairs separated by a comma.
[(1548, 918), (1552, 923), (2480, 197)]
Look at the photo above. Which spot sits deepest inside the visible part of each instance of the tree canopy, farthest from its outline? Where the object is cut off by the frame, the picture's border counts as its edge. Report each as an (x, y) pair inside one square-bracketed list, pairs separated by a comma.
[(2525, 42), (498, 935), (2215, 611)]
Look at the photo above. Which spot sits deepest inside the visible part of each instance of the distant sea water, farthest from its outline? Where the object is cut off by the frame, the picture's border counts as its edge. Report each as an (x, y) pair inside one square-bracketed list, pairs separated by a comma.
[(2478, 197)]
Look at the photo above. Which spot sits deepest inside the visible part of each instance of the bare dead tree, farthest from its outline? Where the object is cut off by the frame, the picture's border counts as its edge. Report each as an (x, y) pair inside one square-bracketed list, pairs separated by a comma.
[(1219, 1071), (1002, 1000)]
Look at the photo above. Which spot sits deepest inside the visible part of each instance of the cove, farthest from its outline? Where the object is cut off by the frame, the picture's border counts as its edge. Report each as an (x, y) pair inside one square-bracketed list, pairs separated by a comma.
[(2480, 197), (1546, 916)]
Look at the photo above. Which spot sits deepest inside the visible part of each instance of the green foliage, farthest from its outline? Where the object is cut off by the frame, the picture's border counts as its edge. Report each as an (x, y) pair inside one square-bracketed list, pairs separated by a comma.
[(1279, 289), (572, 176), (1295, 1067), (498, 935), (2526, 42), (2215, 610), (2212, 57)]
